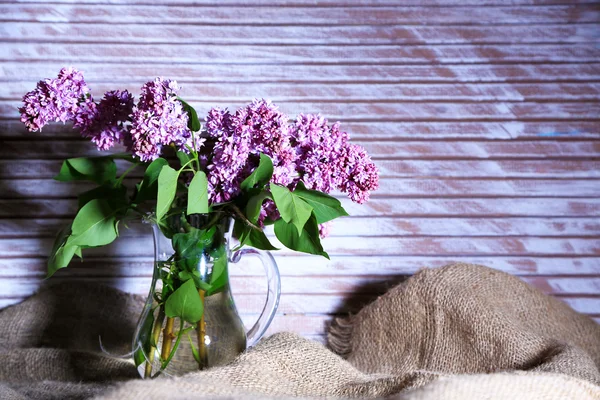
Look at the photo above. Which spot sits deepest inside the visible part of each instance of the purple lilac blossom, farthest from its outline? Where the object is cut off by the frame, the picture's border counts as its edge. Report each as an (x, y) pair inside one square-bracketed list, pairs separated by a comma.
[(327, 160), (360, 175), (106, 123), (230, 151), (325, 229), (239, 139), (269, 133), (56, 99), (158, 120)]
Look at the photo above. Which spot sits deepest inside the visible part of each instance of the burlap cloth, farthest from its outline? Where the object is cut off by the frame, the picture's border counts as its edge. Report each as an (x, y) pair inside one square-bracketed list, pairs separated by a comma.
[(457, 332)]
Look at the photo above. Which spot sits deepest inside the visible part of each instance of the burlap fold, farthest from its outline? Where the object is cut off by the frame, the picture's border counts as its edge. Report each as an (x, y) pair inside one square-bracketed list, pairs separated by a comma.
[(458, 332)]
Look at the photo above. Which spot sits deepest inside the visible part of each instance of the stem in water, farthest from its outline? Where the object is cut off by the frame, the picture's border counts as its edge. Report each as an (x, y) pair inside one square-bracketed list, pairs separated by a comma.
[(201, 336), (155, 336), (167, 338)]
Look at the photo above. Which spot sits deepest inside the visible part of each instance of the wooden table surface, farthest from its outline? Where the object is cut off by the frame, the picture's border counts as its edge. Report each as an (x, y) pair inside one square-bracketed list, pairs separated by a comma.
[(482, 115)]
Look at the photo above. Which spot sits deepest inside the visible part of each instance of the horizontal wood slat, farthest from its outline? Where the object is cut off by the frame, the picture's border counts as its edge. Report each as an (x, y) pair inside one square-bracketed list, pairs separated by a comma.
[(396, 188), (214, 92), (407, 111), (223, 73), (335, 246), (430, 207), (321, 3), (158, 14), (462, 227), (305, 265), (417, 170), (317, 54), (303, 285), (386, 130), (329, 35), (33, 149)]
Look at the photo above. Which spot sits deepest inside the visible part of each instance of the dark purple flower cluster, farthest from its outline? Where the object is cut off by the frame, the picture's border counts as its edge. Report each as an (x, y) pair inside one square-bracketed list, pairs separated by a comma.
[(58, 99), (106, 123), (158, 120)]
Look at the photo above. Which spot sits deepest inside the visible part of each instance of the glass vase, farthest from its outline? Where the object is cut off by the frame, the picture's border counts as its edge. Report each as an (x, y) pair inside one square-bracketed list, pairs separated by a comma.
[(191, 273)]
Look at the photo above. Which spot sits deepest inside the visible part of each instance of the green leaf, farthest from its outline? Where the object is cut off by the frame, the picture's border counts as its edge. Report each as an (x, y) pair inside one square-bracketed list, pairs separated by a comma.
[(292, 208), (146, 338), (167, 187), (138, 357), (259, 240), (218, 276), (184, 157), (95, 169), (198, 194), (261, 175), (115, 196), (189, 247), (61, 254), (324, 206), (94, 225), (307, 242), (194, 350), (185, 303), (254, 205), (148, 187), (251, 237), (193, 121)]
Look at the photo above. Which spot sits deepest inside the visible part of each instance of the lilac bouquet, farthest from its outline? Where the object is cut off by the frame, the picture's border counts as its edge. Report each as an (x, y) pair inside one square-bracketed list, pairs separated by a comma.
[(251, 165)]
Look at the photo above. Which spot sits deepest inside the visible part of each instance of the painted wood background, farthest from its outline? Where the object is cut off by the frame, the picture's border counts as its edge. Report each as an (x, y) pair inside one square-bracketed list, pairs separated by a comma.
[(482, 115)]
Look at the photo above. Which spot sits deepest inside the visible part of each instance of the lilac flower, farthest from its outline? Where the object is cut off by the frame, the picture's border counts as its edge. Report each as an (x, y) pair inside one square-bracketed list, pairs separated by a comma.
[(158, 120), (269, 210), (269, 133), (360, 175), (238, 140), (230, 151), (327, 159), (106, 123), (266, 126), (319, 149), (325, 229), (56, 99)]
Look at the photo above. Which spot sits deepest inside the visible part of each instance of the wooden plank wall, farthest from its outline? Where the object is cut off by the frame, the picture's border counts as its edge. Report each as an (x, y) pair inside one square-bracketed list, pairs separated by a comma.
[(482, 115)]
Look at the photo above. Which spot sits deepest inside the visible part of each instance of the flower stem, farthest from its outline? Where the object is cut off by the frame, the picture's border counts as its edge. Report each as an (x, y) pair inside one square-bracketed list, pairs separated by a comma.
[(118, 182), (155, 336), (167, 338), (166, 362), (201, 335), (243, 217)]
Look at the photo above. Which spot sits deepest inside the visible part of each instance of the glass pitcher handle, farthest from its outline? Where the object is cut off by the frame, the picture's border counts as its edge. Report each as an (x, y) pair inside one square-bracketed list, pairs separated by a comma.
[(273, 292)]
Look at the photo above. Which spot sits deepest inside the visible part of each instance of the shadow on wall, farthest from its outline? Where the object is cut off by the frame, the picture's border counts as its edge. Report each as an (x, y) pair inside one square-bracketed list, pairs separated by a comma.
[(365, 293), (35, 207)]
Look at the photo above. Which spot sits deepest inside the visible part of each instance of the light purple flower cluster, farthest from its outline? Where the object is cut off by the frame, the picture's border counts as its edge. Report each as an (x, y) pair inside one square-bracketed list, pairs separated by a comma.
[(158, 120), (319, 155), (327, 160), (230, 149), (56, 99), (238, 139)]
